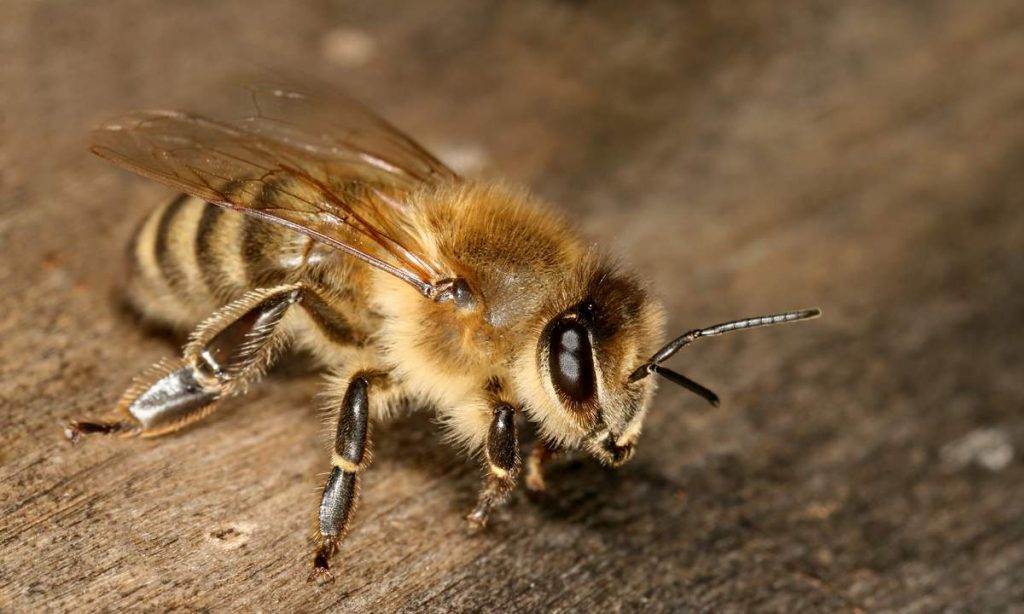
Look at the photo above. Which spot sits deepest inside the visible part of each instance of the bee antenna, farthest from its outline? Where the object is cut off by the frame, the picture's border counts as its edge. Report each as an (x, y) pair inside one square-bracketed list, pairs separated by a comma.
[(681, 380), (653, 363)]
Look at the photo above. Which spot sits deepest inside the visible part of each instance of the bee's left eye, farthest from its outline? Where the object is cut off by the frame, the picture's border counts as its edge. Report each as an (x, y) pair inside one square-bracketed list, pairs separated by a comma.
[(571, 362)]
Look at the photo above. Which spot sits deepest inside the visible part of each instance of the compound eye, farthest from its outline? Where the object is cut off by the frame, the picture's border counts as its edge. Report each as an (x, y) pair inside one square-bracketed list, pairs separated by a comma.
[(571, 362)]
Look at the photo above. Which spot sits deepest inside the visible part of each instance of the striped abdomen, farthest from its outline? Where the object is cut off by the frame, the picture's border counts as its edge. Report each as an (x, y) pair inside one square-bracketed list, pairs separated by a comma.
[(190, 257)]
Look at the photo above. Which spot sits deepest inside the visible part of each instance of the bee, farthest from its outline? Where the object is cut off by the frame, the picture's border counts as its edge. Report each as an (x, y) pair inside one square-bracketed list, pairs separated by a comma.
[(312, 223)]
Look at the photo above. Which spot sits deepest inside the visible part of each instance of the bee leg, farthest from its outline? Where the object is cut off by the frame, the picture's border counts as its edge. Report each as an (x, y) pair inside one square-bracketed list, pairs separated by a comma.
[(543, 452), (229, 350), (163, 398), (348, 458), (502, 465)]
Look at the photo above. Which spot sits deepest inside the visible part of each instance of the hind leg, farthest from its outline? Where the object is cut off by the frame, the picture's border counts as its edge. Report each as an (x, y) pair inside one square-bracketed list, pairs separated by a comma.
[(228, 351)]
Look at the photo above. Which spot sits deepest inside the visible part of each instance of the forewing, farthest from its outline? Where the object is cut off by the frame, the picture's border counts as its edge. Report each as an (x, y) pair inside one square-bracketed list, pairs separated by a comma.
[(346, 190), (331, 125)]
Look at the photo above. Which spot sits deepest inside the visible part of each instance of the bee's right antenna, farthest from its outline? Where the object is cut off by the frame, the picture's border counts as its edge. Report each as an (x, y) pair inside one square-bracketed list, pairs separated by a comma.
[(653, 364)]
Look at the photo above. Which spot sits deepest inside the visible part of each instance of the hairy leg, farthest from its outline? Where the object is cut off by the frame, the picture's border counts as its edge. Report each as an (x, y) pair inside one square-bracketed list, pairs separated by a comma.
[(349, 457), (227, 352), (502, 464)]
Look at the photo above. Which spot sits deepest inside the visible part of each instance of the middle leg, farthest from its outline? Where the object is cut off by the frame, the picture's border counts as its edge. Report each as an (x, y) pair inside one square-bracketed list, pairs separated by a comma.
[(350, 455)]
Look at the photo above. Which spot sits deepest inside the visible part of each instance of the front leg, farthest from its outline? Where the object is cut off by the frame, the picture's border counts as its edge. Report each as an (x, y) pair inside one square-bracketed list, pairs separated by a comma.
[(502, 464), (542, 454)]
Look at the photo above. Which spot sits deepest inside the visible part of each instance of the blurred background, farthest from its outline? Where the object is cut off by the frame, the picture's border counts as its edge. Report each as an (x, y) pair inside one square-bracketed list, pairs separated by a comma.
[(747, 157)]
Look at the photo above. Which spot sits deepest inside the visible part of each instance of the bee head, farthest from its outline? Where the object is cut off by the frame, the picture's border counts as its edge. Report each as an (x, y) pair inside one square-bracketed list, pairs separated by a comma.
[(586, 350)]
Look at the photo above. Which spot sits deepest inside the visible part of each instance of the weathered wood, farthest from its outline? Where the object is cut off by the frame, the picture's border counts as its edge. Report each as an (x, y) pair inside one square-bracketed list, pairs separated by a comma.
[(752, 156)]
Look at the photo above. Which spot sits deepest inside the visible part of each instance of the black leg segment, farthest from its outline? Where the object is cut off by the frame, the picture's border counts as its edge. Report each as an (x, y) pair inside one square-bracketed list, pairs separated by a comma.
[(350, 438), (502, 446)]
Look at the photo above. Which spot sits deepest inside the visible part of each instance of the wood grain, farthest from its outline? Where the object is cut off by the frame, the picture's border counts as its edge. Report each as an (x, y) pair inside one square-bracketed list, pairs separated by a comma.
[(755, 156)]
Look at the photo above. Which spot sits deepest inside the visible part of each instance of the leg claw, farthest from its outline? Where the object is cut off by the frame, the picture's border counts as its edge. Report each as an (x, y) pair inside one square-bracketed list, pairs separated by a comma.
[(535, 482), (75, 429), (72, 433), (320, 575), (477, 520)]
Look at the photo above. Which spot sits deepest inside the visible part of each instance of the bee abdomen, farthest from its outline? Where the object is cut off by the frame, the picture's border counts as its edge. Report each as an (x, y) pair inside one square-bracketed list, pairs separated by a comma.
[(190, 257), (184, 262), (161, 279)]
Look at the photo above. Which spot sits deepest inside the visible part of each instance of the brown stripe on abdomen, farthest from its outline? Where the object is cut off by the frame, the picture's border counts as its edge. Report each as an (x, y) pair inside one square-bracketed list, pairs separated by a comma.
[(163, 277), (166, 258), (206, 254), (260, 244), (329, 321), (221, 266)]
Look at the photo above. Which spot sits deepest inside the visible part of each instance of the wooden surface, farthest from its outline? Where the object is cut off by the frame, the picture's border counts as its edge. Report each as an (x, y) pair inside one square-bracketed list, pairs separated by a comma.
[(867, 157)]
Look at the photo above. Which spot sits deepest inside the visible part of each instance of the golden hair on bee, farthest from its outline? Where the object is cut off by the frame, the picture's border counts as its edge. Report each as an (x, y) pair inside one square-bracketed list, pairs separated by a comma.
[(313, 223)]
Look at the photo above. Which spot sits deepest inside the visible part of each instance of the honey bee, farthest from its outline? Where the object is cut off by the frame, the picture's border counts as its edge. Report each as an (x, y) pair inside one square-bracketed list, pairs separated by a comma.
[(314, 223)]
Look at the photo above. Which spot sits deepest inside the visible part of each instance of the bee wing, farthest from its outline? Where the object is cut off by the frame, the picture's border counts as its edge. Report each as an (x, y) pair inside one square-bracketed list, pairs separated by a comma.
[(343, 182), (335, 126)]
